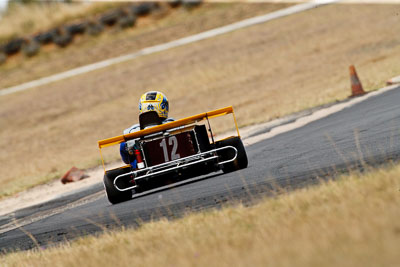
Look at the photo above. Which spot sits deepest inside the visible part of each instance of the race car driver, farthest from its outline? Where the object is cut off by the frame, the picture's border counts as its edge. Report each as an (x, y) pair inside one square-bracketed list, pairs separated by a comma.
[(150, 101)]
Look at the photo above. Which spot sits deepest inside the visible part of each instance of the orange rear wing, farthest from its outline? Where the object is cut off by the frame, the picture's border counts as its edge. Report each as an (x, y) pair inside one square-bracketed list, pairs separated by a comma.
[(170, 125)]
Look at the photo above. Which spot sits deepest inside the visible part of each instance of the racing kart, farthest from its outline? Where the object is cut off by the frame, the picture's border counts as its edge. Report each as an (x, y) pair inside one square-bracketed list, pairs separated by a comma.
[(171, 152)]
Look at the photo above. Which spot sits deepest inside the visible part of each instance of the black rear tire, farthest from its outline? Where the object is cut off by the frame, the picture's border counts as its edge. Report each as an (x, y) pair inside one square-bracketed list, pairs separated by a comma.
[(240, 162), (115, 196)]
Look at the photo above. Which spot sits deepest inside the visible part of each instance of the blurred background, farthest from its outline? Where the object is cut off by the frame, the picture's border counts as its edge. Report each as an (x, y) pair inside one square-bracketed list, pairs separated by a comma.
[(265, 71)]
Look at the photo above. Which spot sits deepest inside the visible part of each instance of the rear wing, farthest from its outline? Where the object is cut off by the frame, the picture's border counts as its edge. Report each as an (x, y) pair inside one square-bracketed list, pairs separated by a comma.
[(170, 125)]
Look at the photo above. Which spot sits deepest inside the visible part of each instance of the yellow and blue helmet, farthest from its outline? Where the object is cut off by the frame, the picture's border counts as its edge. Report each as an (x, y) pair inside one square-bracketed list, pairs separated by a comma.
[(154, 101)]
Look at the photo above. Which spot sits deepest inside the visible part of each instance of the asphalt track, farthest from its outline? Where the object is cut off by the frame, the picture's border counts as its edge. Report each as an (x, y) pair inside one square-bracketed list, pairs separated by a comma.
[(365, 134)]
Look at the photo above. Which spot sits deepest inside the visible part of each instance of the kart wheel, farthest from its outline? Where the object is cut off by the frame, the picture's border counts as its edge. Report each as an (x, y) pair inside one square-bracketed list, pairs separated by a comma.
[(115, 196), (240, 162)]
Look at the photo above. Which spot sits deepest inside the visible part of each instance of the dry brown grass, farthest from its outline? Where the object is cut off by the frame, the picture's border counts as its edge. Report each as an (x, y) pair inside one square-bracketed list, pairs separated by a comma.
[(35, 170), (148, 31), (264, 71), (22, 20), (349, 222)]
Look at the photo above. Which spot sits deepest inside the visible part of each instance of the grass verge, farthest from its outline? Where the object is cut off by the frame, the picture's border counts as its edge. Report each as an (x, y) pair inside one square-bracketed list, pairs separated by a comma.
[(25, 19), (352, 221), (161, 26)]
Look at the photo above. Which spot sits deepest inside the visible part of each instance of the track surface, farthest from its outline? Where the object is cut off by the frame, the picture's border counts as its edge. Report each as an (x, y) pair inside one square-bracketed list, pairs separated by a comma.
[(366, 133)]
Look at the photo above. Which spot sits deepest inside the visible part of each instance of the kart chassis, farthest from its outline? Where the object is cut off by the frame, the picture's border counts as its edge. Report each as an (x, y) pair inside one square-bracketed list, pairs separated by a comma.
[(211, 155)]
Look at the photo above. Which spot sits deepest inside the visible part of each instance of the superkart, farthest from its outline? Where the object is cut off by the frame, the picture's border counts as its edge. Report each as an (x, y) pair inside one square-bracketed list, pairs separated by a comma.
[(171, 152)]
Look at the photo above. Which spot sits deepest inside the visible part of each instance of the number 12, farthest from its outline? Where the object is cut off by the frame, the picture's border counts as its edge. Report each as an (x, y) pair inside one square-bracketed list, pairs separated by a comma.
[(171, 141)]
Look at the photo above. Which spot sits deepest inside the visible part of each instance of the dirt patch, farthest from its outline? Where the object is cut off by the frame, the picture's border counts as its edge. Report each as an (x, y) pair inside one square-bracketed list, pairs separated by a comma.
[(52, 190)]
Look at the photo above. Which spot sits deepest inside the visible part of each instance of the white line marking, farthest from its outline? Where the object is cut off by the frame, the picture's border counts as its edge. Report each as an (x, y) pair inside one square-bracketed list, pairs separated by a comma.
[(162, 47), (317, 115), (14, 224), (322, 113)]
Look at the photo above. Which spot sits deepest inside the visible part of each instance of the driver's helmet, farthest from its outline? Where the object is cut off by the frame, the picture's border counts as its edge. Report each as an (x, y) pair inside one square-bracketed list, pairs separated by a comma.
[(154, 101)]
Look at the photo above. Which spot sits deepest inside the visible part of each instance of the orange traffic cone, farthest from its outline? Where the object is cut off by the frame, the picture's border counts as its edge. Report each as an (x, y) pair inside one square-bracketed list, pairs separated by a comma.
[(356, 86)]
